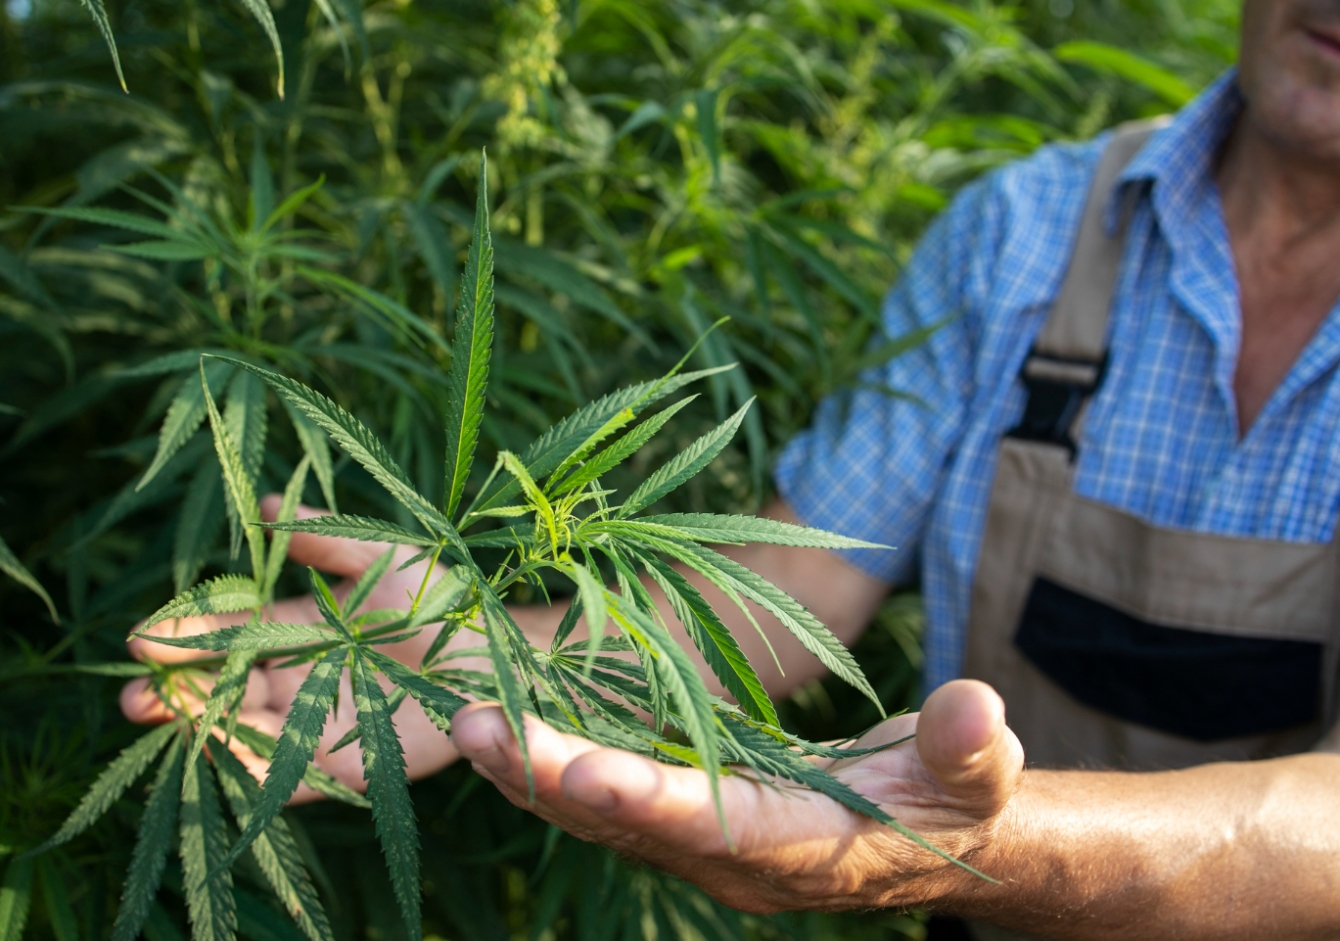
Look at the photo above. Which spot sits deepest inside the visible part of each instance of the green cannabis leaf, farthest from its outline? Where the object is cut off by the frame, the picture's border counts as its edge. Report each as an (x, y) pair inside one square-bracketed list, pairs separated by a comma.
[(151, 845), (209, 895), (275, 850), (470, 354)]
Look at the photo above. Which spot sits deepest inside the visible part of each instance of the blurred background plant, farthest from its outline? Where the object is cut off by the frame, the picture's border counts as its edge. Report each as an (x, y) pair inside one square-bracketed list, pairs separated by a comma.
[(657, 164)]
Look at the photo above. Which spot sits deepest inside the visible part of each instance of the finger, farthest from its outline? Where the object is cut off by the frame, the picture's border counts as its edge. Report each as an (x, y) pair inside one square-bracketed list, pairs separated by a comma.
[(427, 750), (140, 701), (348, 557), (300, 610), (965, 744), (661, 813), (143, 647), (673, 806), (482, 736)]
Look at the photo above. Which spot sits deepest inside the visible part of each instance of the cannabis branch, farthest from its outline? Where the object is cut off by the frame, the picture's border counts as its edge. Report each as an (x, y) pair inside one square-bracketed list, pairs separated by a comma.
[(627, 684)]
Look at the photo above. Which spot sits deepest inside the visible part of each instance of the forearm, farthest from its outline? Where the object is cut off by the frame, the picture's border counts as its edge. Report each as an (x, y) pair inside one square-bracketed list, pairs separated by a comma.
[(1243, 850)]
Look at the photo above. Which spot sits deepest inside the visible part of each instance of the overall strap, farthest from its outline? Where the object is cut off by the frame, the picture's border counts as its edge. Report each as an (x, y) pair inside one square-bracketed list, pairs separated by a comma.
[(1066, 364)]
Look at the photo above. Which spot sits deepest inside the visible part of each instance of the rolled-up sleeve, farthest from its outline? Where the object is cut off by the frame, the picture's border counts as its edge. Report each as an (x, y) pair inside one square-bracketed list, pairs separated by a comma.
[(870, 464)]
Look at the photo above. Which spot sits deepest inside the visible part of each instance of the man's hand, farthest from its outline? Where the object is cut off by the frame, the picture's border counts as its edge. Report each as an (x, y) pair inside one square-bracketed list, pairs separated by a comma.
[(1235, 851), (270, 691), (794, 848)]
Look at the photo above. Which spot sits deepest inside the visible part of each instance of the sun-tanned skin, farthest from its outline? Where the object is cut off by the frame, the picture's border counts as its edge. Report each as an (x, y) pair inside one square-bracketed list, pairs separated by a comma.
[(1280, 185), (1224, 851)]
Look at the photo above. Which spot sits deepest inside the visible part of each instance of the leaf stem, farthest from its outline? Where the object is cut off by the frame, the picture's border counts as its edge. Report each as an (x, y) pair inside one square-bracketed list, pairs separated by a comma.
[(520, 571), (423, 586)]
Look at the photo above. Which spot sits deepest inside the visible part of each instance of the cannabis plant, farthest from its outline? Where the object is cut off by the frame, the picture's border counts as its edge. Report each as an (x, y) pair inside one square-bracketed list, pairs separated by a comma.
[(556, 517)]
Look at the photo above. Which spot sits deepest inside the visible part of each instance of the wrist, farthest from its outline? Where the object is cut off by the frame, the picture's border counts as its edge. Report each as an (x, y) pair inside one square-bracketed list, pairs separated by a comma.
[(998, 848)]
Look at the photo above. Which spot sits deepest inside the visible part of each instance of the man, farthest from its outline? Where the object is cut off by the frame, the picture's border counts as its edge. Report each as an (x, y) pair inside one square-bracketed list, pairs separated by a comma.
[(1122, 498)]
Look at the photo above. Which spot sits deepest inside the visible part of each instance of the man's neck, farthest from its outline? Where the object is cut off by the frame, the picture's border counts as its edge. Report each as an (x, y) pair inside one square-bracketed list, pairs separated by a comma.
[(1273, 192), (1282, 210)]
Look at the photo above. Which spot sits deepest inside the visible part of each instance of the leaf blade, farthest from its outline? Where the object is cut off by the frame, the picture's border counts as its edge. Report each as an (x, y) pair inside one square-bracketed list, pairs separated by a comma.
[(275, 850), (208, 885), (296, 744), (592, 595), (185, 414), (440, 704), (247, 420), (355, 438), (388, 789), (547, 451), (685, 464), (804, 626), (317, 450), (202, 515), (620, 450), (228, 690), (320, 781), (177, 249), (740, 530), (152, 843), (16, 895), (1125, 64), (510, 694), (685, 686), (238, 481), (222, 595), (261, 11), (11, 566), (442, 595), (348, 526), (111, 784), (713, 639), (60, 911), (96, 10), (367, 582), (472, 346), (288, 508)]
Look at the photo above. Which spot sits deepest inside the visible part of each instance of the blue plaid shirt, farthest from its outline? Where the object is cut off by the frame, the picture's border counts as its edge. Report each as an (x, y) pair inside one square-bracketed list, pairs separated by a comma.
[(1161, 438)]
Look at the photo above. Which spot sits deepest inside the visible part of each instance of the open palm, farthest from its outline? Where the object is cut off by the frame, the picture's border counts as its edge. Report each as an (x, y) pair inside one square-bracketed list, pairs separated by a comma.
[(788, 847), (271, 689)]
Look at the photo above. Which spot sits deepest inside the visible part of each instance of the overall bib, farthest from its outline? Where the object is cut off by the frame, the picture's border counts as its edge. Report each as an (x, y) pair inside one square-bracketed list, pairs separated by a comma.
[(1115, 643)]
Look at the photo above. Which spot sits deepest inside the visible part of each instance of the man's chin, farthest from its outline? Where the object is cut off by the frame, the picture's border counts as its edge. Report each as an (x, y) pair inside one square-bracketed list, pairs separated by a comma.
[(1301, 115)]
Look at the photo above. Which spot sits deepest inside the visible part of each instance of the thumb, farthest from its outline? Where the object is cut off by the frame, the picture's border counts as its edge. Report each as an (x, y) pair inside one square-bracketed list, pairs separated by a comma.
[(964, 743)]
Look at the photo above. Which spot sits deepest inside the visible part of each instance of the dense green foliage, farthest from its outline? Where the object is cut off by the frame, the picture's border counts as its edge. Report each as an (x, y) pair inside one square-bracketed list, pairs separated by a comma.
[(656, 165)]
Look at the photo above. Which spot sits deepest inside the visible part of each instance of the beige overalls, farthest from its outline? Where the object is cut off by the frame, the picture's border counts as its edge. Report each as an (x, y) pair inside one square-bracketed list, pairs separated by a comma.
[(1115, 643)]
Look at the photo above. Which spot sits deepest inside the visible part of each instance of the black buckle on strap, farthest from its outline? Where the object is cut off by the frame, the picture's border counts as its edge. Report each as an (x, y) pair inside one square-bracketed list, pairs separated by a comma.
[(1057, 389)]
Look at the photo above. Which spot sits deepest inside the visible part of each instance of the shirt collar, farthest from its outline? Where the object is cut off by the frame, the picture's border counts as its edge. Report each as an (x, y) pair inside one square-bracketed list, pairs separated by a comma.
[(1176, 168), (1178, 162), (1175, 173)]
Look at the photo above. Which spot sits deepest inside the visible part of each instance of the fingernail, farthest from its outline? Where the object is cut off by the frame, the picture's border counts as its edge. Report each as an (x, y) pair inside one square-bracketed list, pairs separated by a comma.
[(598, 798), (491, 758)]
